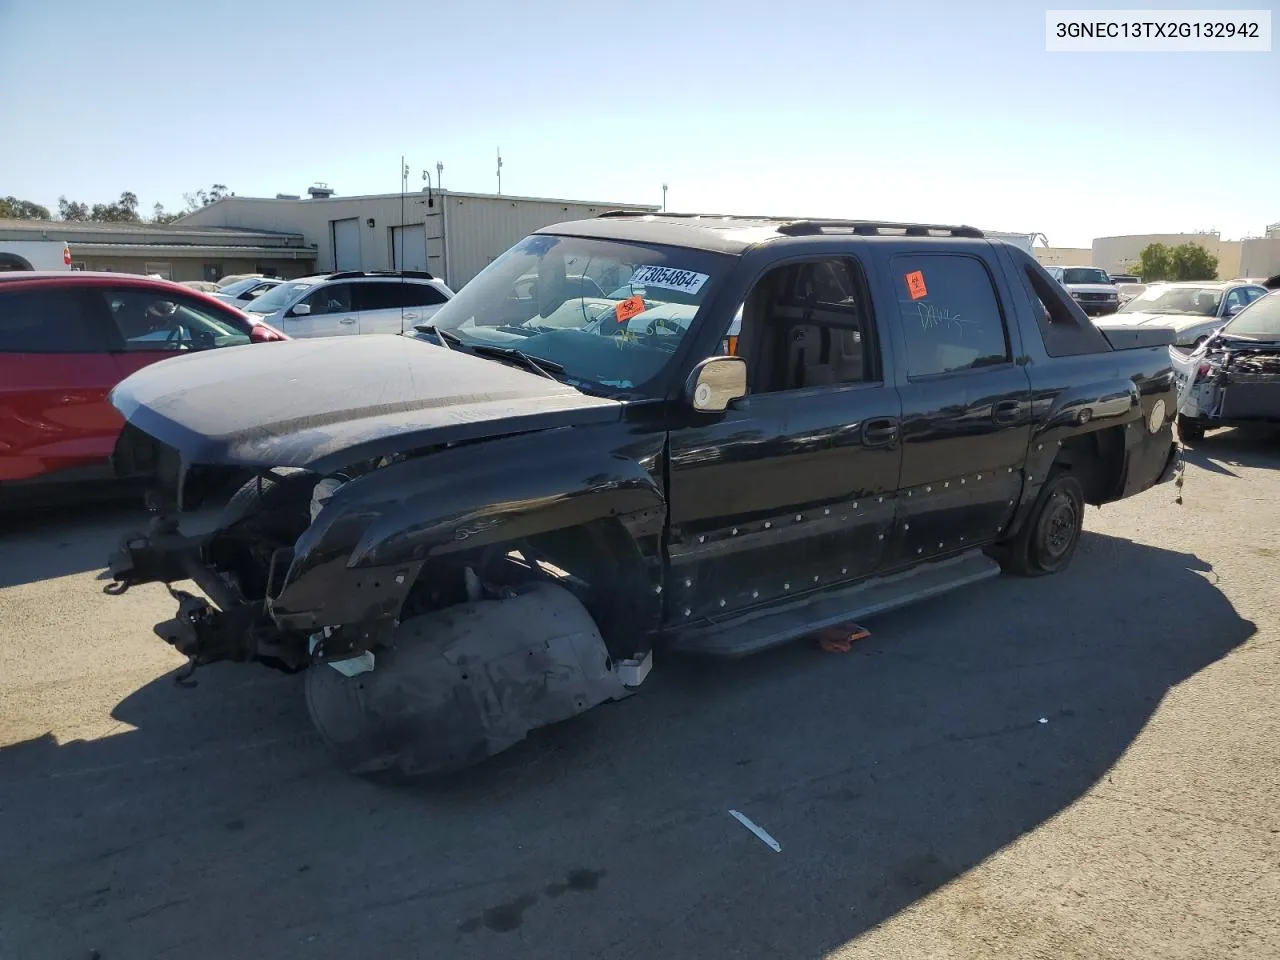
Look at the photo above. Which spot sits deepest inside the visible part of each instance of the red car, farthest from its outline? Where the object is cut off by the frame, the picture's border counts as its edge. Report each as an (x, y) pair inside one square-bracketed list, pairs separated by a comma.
[(66, 339)]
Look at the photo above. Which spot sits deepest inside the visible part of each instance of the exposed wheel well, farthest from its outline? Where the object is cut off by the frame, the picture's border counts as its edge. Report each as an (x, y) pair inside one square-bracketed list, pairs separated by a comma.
[(1097, 461), (598, 562)]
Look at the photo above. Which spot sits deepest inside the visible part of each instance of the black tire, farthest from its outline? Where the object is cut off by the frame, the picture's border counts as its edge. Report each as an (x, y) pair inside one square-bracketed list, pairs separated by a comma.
[(1189, 430), (1048, 540)]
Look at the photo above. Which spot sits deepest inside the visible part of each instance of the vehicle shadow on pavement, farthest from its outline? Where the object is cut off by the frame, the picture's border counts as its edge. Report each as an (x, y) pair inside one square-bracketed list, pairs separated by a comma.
[(1239, 447), (218, 827)]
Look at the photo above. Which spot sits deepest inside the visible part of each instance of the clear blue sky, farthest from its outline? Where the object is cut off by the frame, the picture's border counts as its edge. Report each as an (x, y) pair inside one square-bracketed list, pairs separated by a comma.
[(948, 111)]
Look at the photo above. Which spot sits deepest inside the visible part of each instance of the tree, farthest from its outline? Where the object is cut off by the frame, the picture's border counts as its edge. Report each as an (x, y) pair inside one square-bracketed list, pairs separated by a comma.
[(1190, 261), (124, 210), (202, 198), (11, 208), (71, 210), (160, 215), (1187, 261), (1154, 263)]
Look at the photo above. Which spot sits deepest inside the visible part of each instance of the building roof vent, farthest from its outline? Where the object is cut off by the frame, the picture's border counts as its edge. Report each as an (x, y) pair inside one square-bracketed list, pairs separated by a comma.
[(320, 191)]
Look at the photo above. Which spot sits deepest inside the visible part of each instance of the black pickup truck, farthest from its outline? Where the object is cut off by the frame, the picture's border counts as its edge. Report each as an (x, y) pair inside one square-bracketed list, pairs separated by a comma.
[(739, 431)]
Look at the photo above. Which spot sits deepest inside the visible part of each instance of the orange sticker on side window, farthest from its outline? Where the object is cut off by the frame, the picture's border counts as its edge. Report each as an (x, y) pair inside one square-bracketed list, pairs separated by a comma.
[(915, 285), (628, 308)]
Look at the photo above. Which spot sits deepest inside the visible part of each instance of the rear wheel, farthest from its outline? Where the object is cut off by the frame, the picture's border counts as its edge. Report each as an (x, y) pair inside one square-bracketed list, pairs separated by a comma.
[(1189, 430), (1048, 540)]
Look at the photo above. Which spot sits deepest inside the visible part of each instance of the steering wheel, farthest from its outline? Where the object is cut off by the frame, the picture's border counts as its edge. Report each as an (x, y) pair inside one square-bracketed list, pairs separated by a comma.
[(175, 335)]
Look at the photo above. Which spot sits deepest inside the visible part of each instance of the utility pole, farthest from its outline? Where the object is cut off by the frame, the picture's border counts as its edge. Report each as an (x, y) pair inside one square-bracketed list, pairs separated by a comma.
[(664, 198), (499, 171)]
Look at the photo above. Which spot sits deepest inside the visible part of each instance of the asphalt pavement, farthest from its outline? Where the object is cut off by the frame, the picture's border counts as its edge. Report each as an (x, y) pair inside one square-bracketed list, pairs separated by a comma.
[(1084, 765)]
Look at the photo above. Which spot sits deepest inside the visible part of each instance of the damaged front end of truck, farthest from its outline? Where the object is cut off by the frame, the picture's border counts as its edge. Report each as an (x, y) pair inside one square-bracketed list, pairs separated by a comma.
[(441, 603)]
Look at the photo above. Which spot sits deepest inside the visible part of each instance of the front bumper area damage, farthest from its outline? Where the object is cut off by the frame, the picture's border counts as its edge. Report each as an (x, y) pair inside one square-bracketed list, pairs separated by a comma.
[(226, 626), (1223, 385)]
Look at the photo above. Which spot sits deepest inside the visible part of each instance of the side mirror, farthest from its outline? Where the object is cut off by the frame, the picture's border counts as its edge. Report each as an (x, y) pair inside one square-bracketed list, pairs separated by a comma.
[(1234, 309), (301, 310), (715, 383)]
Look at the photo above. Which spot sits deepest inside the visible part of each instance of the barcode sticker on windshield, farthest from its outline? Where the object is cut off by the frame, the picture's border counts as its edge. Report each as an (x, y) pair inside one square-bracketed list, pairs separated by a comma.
[(666, 278)]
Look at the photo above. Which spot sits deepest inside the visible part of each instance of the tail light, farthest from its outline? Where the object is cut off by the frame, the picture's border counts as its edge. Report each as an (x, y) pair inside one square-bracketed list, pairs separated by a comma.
[(261, 333)]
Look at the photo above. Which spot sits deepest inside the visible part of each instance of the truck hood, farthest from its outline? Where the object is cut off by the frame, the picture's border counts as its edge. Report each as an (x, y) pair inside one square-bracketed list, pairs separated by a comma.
[(1090, 288), (327, 402)]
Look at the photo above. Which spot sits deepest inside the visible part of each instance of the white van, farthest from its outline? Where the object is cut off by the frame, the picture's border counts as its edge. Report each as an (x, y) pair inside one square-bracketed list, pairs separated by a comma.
[(34, 255)]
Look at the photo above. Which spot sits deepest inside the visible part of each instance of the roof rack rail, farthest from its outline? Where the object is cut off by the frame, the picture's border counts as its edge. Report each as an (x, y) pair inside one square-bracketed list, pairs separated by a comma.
[(350, 274), (875, 228)]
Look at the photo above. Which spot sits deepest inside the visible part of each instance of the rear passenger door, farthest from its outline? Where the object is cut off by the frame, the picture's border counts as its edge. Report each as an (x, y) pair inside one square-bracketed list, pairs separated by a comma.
[(379, 303), (966, 403), (55, 376)]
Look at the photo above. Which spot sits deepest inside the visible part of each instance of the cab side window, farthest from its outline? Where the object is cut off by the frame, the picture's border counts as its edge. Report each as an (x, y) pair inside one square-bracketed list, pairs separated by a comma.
[(807, 325), (951, 317), (333, 298)]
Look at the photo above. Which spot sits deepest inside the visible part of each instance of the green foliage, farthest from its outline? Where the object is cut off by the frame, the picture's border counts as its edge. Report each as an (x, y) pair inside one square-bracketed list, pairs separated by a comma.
[(1187, 261), (1193, 262), (202, 198), (11, 208)]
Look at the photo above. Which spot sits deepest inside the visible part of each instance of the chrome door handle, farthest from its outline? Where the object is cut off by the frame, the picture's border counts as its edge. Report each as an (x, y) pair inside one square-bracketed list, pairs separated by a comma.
[(347, 320)]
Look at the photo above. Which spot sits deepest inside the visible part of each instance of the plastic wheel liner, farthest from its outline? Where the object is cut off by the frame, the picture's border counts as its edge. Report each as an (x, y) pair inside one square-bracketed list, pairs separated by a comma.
[(464, 683)]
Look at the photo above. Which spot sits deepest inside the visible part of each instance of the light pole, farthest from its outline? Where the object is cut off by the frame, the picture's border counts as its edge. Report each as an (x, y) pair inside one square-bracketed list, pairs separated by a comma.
[(664, 198)]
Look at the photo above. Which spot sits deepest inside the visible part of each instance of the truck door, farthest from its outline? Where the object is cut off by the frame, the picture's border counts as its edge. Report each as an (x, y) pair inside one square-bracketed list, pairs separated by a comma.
[(966, 402), (790, 491)]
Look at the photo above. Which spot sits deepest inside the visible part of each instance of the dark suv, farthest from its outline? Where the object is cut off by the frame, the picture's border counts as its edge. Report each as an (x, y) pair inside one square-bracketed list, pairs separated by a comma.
[(764, 428)]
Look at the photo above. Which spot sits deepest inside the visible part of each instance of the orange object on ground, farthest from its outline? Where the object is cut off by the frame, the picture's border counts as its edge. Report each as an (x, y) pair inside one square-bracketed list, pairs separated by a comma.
[(841, 637)]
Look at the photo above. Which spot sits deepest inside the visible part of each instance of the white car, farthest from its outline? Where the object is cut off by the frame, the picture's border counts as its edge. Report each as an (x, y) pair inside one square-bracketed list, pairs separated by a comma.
[(1194, 309), (351, 302), (1090, 287), (240, 292)]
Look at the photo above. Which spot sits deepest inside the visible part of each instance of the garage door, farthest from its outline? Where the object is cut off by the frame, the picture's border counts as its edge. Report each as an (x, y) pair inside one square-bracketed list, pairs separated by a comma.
[(346, 244), (410, 247)]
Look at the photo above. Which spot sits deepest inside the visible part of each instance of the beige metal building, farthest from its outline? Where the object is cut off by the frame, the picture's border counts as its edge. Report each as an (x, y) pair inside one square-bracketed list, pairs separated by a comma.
[(453, 235), (175, 252), (1122, 254)]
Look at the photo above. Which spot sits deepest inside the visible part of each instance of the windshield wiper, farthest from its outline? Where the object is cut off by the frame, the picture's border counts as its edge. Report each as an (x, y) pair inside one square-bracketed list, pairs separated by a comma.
[(544, 367), (447, 340)]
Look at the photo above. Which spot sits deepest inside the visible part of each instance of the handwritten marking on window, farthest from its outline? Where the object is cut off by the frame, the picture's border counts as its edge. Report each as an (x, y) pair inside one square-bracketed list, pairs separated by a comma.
[(939, 318)]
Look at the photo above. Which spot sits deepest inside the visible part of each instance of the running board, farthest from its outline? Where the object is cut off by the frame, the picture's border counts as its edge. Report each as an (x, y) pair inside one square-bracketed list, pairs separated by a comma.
[(769, 628)]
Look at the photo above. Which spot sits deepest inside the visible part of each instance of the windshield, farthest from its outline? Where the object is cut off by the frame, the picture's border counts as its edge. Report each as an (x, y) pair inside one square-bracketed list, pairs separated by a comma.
[(1258, 321), (240, 286), (278, 297), (610, 313), (1185, 301), (1085, 275)]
